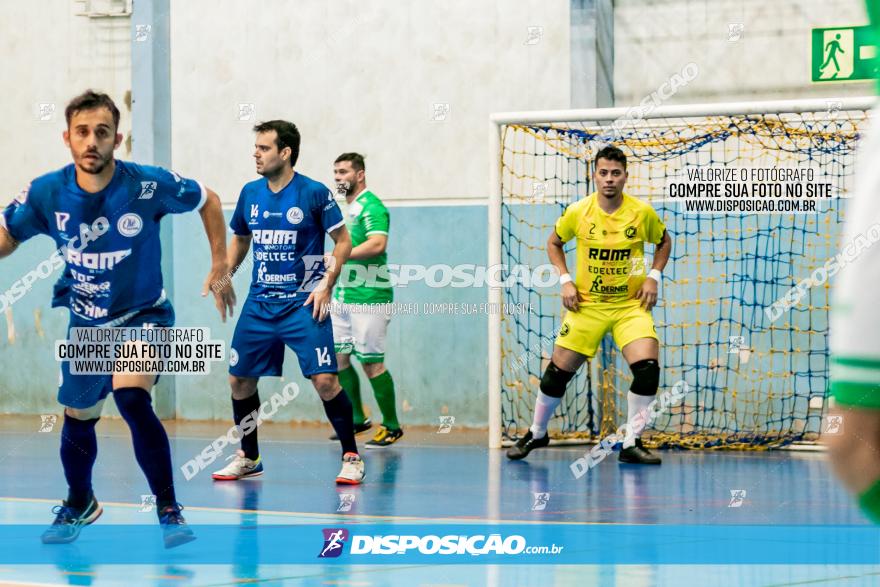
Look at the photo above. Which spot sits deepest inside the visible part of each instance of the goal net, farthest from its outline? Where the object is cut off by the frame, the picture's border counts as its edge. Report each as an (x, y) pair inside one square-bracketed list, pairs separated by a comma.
[(755, 380)]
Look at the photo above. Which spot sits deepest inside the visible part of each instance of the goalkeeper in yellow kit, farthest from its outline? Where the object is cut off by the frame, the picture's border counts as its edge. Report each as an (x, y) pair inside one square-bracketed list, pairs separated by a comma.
[(610, 291)]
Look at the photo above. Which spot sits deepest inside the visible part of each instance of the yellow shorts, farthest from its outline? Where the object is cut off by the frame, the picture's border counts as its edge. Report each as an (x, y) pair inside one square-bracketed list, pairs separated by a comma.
[(582, 331)]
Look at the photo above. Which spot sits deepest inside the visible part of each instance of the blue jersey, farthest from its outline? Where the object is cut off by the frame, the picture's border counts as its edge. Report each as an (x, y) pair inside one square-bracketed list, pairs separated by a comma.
[(109, 240), (288, 235)]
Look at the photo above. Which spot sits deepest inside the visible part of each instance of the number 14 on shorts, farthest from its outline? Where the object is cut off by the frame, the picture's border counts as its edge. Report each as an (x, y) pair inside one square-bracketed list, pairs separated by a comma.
[(323, 355)]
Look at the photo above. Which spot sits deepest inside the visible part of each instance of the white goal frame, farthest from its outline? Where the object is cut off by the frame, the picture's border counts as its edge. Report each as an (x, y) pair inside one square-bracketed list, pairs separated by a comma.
[(497, 121)]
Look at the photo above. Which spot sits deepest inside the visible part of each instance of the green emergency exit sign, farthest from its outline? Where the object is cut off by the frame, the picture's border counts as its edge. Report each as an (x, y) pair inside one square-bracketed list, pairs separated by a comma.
[(844, 54)]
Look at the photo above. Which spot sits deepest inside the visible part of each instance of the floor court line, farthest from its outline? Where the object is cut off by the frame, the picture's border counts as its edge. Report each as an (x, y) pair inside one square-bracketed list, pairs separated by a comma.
[(347, 517)]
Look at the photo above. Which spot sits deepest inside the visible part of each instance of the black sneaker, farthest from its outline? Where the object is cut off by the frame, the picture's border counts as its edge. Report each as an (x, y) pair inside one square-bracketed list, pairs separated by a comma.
[(70, 520), (638, 455), (358, 428), (174, 527), (525, 445)]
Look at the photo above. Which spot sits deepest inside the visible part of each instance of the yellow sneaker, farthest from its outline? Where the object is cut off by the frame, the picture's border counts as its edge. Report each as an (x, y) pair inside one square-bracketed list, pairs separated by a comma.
[(385, 437)]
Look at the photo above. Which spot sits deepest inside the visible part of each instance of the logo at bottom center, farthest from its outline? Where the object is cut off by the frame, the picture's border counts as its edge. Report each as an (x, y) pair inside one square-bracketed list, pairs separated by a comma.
[(334, 540)]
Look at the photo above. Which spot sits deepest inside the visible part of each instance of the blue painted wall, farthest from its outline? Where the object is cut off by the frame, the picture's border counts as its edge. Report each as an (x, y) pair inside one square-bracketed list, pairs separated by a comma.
[(438, 360)]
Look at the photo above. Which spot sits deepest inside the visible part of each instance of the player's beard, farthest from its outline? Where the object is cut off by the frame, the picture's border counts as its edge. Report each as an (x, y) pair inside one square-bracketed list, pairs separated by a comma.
[(93, 166), (271, 173), (344, 188)]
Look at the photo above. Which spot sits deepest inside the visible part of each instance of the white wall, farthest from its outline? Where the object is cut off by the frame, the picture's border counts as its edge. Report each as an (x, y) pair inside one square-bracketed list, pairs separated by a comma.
[(654, 38), (361, 76), (48, 55)]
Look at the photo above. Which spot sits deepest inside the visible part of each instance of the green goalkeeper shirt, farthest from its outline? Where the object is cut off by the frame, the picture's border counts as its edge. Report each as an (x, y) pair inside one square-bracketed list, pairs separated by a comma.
[(365, 281)]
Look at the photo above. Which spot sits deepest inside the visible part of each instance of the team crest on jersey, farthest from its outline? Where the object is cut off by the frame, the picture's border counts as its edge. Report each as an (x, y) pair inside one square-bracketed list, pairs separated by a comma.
[(130, 224), (148, 188), (564, 330), (630, 232), (294, 215)]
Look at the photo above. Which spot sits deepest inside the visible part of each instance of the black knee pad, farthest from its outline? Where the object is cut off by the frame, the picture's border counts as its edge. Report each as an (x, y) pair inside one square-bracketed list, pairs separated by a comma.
[(555, 380), (646, 377)]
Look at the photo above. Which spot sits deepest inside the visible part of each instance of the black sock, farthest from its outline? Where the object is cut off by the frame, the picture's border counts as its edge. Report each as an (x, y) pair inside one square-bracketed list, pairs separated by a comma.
[(340, 414), (240, 409), (151, 447), (79, 449)]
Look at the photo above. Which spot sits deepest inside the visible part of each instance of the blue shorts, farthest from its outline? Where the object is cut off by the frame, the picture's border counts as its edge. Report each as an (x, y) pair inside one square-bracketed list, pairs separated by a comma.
[(265, 328), (84, 391)]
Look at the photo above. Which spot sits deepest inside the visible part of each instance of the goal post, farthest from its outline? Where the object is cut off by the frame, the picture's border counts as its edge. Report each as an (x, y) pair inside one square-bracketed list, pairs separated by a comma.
[(725, 269)]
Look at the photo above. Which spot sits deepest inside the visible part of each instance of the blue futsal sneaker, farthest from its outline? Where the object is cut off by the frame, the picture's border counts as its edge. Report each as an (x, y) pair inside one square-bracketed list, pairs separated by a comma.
[(70, 520), (174, 527)]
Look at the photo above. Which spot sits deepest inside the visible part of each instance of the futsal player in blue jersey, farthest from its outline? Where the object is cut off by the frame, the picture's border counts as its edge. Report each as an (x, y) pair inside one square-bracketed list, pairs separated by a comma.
[(286, 216), (104, 216)]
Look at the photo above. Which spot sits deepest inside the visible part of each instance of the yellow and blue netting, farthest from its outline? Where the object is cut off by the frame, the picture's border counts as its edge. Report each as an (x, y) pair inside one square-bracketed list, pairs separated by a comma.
[(725, 270)]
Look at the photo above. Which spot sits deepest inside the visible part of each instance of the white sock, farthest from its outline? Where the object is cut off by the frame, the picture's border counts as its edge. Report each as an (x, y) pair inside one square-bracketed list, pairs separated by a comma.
[(635, 403), (544, 408)]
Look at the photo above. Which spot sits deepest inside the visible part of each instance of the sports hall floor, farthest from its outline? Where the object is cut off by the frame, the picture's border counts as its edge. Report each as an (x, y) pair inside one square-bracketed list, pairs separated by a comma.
[(431, 478)]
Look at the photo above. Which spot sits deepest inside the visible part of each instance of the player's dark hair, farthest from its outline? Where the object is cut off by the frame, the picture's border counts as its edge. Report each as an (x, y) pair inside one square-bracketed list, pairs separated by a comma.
[(356, 160), (612, 154), (91, 100), (286, 135)]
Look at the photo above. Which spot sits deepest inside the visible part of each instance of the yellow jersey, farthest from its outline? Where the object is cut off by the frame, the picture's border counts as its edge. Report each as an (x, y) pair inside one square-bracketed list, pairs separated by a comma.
[(610, 247)]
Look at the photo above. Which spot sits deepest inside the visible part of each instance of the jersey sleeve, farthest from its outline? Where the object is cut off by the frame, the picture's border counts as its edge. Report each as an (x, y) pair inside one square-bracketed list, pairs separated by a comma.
[(176, 194), (23, 218), (566, 226), (654, 227), (376, 218), (326, 211), (238, 223)]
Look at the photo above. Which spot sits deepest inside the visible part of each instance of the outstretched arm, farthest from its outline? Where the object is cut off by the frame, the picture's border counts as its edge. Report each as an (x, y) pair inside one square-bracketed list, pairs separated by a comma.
[(238, 250), (218, 278)]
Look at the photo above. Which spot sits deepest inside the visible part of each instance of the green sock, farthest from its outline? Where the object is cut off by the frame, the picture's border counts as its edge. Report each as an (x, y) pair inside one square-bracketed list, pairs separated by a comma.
[(348, 379), (383, 389), (869, 501)]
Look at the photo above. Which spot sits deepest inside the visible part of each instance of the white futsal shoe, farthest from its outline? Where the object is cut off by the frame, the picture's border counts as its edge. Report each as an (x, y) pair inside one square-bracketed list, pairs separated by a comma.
[(352, 472), (240, 467)]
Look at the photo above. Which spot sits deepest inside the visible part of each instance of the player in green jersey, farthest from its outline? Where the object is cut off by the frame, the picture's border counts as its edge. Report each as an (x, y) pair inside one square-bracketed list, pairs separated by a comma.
[(362, 300), (852, 429)]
